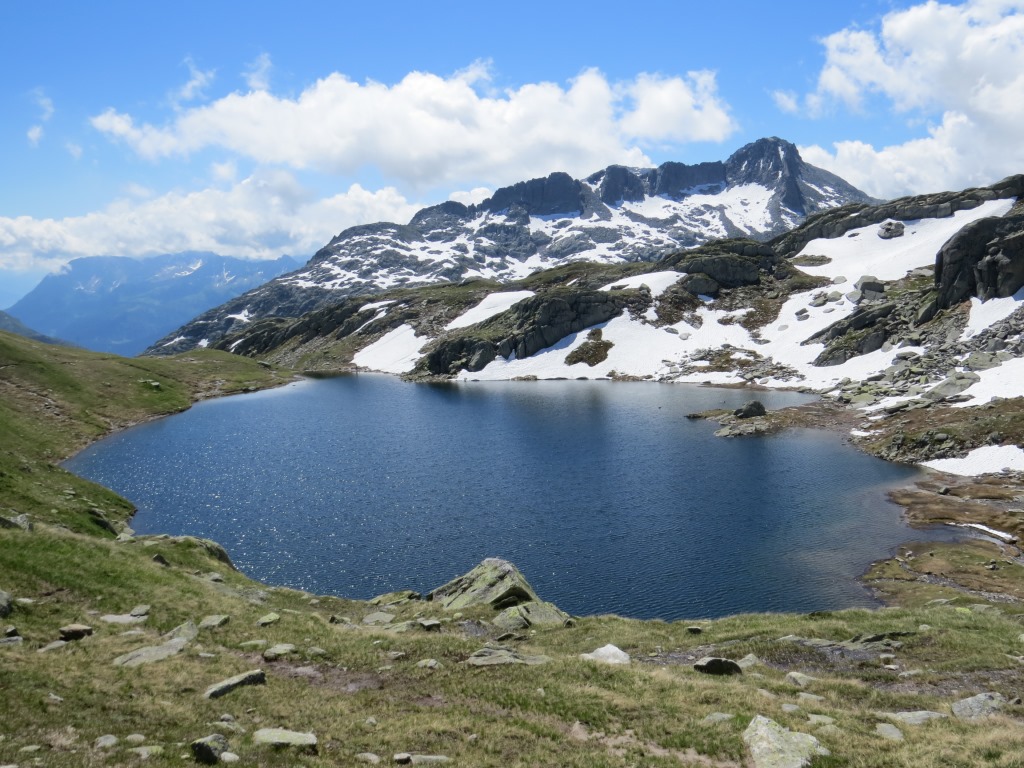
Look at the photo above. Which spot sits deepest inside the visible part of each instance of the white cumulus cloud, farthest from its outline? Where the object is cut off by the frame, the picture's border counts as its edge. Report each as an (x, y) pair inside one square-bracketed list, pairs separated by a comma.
[(263, 216), (427, 130), (956, 69)]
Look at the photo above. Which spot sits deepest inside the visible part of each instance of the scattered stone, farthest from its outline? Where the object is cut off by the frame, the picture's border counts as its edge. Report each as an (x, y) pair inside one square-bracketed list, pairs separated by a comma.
[(281, 737), (229, 757), (224, 687), (695, 630), (11, 641), (748, 661), (799, 679), (489, 657), (378, 618), (209, 749), (266, 621), (529, 614), (315, 651), (717, 717), (429, 664), (982, 705), (153, 750), (772, 746), (790, 708), (607, 654), (160, 560), (820, 720), (135, 738), (52, 646), (402, 758), (429, 759), (712, 665), (810, 698), (123, 618), (214, 621), (919, 717), (151, 653), (6, 604), (429, 625), (274, 652), (368, 757), (213, 576), (889, 731), (74, 632), (108, 741), (249, 644)]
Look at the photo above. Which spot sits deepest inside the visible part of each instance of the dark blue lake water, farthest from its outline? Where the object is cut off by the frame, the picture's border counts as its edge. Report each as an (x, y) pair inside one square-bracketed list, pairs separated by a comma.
[(603, 493)]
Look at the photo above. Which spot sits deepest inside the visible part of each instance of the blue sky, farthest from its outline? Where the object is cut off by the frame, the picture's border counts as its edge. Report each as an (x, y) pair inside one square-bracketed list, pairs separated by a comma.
[(256, 128)]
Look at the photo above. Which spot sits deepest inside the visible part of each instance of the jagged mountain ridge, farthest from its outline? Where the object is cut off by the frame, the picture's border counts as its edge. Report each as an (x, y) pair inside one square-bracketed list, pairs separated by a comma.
[(122, 305), (616, 215), (905, 304)]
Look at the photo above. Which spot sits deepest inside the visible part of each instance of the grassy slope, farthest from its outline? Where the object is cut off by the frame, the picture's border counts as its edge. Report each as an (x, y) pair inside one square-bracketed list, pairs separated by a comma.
[(566, 713)]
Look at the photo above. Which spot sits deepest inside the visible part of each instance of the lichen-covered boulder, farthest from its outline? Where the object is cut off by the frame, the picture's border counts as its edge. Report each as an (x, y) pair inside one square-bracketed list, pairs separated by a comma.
[(533, 614), (772, 746), (494, 582)]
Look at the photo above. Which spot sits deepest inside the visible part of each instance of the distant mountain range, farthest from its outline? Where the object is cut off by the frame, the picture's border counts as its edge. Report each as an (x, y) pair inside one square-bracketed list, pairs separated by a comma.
[(616, 215), (122, 305), (13, 325)]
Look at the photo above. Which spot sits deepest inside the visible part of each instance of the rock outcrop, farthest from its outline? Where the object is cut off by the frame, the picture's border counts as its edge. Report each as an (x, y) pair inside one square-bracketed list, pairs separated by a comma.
[(495, 582)]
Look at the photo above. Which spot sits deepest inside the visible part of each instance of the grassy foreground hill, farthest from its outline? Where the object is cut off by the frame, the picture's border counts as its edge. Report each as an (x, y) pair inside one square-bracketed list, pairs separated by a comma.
[(169, 617)]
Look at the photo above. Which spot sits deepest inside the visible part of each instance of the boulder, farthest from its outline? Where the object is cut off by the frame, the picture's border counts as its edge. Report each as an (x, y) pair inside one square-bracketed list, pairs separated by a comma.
[(281, 737), (772, 746), (982, 705), (224, 687), (494, 582), (534, 613), (208, 750), (984, 259), (151, 653), (750, 410), (274, 652), (713, 665), (889, 731), (919, 717), (214, 621), (491, 657), (378, 618), (74, 632), (891, 229), (266, 621), (799, 679)]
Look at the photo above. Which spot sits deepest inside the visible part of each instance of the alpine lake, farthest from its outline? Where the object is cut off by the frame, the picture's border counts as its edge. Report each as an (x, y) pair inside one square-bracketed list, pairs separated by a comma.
[(603, 493)]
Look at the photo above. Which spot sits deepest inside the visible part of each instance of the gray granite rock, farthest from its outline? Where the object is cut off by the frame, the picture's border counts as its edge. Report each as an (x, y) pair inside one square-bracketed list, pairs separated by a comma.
[(772, 746), (282, 737), (224, 687)]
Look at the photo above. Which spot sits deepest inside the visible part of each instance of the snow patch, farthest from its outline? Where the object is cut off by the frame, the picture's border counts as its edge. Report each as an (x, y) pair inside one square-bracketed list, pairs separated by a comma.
[(394, 352), (491, 305), (982, 461), (657, 282), (985, 314), (1002, 381), (862, 252)]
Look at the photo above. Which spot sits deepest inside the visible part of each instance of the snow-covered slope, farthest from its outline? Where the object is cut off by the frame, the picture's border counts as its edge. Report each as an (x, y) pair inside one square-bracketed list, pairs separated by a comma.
[(616, 215)]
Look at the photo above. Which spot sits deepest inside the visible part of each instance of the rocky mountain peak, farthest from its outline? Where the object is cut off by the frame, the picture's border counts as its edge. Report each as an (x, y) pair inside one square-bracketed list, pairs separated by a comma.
[(618, 214)]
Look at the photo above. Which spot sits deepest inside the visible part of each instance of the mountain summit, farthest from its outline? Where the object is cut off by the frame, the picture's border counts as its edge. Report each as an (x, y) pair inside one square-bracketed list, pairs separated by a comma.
[(617, 214)]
